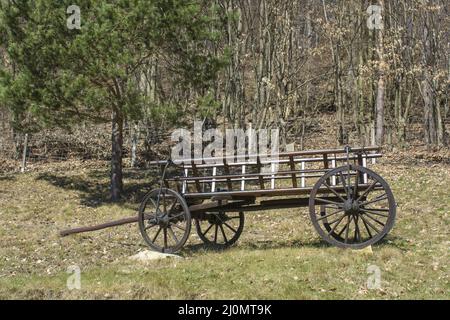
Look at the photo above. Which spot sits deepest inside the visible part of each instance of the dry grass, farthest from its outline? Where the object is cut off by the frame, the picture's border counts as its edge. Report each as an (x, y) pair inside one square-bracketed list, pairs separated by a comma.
[(278, 256)]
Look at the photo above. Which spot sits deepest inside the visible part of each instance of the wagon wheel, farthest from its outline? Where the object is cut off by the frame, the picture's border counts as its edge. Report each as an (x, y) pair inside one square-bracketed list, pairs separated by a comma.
[(352, 214), (164, 220), (220, 230)]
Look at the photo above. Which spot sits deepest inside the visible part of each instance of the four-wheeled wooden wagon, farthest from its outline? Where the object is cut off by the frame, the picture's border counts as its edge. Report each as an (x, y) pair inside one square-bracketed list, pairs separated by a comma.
[(350, 206)]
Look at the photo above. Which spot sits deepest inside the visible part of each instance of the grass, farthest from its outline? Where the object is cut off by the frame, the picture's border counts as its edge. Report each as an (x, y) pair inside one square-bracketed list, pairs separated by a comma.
[(279, 255)]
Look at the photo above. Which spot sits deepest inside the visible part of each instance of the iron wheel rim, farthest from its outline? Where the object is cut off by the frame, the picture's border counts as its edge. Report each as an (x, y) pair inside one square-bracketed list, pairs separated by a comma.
[(374, 223), (166, 230)]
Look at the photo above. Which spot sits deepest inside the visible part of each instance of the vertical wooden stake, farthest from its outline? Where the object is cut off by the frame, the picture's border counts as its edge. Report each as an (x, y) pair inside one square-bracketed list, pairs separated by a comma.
[(24, 156), (243, 178), (213, 184), (373, 138), (303, 174)]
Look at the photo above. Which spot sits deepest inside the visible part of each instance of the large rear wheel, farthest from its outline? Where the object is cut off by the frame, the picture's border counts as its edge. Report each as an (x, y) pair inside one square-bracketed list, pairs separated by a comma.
[(352, 207)]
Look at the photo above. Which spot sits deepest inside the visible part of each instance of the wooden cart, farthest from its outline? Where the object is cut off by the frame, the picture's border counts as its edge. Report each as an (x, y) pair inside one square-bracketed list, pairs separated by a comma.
[(350, 206)]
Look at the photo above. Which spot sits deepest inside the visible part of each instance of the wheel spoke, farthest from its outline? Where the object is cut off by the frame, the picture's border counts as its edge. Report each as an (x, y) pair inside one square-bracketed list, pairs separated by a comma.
[(173, 206), (334, 221), (344, 228), (207, 230), (230, 227), (223, 233), (377, 199), (342, 231), (367, 228), (333, 191), (173, 234), (366, 192), (165, 238), (329, 215), (378, 209), (373, 212), (377, 221), (156, 206), (369, 224), (215, 233), (157, 234), (329, 202), (350, 218), (357, 231), (178, 215), (150, 226), (178, 227), (338, 222)]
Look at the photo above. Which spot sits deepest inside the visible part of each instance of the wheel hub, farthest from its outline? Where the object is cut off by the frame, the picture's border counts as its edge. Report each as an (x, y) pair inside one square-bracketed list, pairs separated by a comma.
[(217, 219), (164, 221), (351, 207)]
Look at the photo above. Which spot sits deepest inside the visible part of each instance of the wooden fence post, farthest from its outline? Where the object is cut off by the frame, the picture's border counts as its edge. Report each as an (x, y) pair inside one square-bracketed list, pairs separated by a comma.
[(373, 139), (24, 156)]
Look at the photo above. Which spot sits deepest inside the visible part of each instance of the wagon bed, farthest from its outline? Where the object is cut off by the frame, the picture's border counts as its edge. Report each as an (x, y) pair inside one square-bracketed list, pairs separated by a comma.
[(350, 206)]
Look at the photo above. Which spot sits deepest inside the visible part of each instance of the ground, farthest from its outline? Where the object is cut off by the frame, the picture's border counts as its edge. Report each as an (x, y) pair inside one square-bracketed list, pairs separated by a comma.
[(279, 255)]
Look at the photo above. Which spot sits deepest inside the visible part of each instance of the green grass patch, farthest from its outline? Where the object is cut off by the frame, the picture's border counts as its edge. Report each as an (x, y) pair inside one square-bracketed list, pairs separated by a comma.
[(279, 255)]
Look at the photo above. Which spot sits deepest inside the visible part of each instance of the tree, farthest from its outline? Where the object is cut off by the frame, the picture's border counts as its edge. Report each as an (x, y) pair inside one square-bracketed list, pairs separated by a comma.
[(434, 127), (381, 86), (65, 76)]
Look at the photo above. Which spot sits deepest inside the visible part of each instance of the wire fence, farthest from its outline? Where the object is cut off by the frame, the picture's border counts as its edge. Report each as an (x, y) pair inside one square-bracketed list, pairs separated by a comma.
[(84, 143)]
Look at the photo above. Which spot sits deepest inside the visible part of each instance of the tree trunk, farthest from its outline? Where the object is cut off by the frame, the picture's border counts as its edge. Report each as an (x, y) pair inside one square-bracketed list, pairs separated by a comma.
[(428, 84), (379, 105), (380, 111), (116, 156), (134, 142), (429, 116)]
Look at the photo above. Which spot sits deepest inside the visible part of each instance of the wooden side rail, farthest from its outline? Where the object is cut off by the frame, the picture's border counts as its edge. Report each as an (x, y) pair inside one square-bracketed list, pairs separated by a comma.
[(227, 176), (296, 160), (270, 192), (249, 179), (230, 160), (248, 175), (300, 173)]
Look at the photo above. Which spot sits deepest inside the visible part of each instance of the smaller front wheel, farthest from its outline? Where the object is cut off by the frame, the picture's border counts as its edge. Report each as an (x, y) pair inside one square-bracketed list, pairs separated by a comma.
[(164, 220), (220, 230)]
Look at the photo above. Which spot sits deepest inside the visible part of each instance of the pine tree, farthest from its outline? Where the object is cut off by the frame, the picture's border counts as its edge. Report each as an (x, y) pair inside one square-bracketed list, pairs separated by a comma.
[(63, 75)]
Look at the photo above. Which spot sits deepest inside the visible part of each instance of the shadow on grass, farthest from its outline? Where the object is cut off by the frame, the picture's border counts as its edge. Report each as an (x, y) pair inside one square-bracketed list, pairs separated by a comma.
[(95, 189), (394, 241), (388, 241), (259, 245), (7, 178)]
